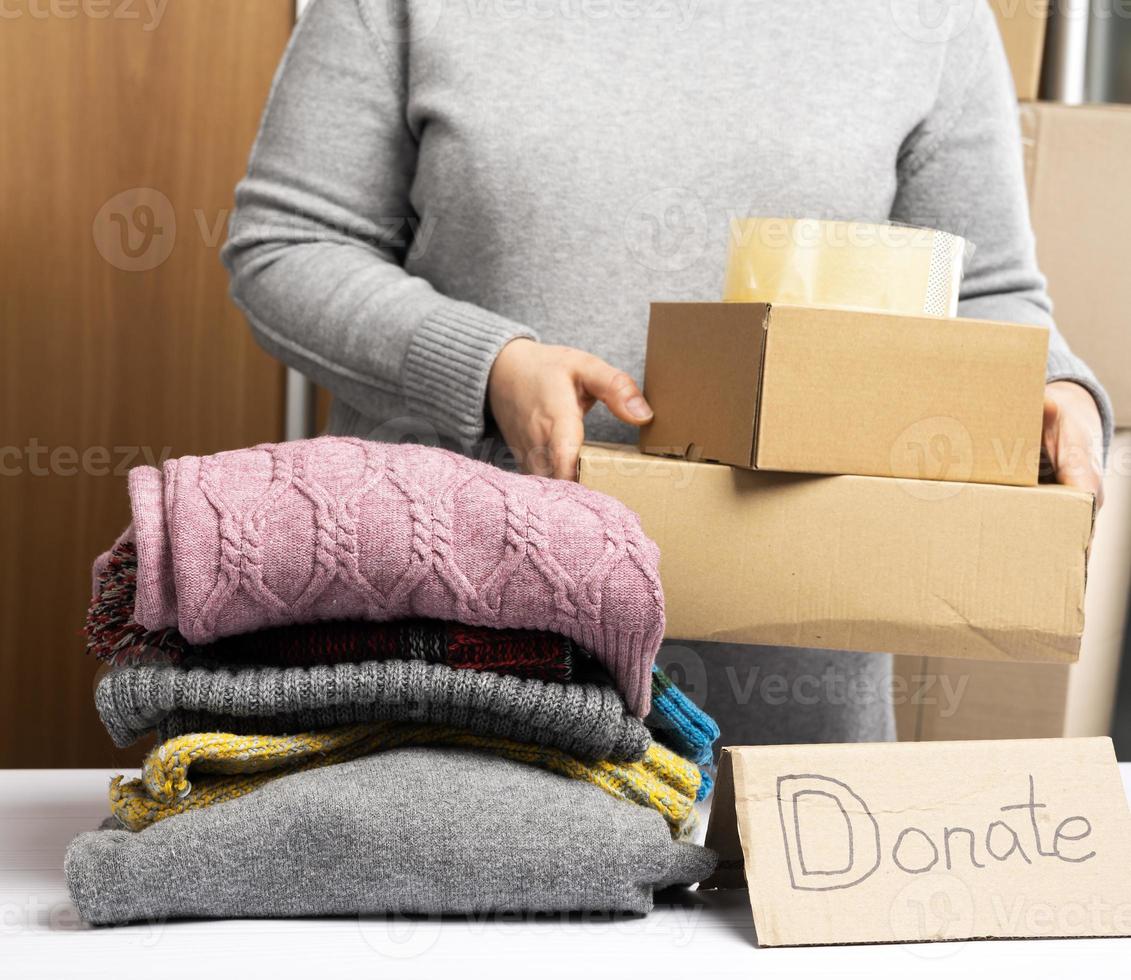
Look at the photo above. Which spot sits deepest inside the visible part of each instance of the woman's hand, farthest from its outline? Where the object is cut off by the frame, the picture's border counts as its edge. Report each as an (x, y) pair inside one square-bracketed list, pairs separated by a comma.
[(539, 395), (1073, 437)]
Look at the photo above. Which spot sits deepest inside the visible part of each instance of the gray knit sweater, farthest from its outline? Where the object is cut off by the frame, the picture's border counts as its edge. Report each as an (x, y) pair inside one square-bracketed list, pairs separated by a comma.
[(414, 830), (588, 720), (436, 177)]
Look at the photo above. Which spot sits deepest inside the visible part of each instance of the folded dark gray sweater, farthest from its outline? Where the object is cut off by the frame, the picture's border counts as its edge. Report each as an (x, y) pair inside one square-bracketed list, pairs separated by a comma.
[(588, 720), (414, 830)]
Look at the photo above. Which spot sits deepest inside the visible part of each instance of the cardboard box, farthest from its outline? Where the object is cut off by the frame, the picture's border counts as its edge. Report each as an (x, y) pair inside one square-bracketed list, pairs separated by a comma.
[(1022, 24), (811, 390), (858, 563), (1076, 161), (944, 700)]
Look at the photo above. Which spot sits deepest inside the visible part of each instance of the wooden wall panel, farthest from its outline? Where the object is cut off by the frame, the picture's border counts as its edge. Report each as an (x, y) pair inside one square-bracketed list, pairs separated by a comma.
[(112, 348)]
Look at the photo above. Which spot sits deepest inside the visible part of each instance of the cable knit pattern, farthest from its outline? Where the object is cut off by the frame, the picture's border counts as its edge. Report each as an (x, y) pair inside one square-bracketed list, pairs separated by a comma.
[(587, 720), (340, 528)]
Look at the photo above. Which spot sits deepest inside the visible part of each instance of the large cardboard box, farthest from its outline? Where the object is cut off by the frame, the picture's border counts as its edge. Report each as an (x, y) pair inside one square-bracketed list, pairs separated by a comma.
[(813, 390), (1022, 24), (945, 700), (1076, 160), (858, 563)]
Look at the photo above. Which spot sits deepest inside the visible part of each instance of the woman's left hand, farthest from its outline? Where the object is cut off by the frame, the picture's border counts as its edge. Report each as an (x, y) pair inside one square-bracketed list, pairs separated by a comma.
[(1073, 437)]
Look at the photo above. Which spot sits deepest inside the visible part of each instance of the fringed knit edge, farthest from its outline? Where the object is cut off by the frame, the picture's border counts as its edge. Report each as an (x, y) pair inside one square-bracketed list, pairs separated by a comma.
[(112, 634)]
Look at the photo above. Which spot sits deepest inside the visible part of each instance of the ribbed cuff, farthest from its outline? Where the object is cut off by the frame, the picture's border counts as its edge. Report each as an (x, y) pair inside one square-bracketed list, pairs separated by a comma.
[(447, 364), (1063, 365)]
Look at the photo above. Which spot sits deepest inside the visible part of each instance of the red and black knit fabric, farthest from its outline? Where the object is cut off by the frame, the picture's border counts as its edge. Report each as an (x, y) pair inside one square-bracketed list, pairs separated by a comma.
[(112, 634), (523, 653), (114, 637)]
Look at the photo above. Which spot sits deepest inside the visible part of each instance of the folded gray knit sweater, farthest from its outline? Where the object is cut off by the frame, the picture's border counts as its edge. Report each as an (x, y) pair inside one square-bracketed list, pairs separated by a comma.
[(588, 720), (413, 830)]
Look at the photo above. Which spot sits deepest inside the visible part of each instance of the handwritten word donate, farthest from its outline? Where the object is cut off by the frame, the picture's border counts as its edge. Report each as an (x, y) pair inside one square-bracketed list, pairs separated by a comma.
[(833, 840)]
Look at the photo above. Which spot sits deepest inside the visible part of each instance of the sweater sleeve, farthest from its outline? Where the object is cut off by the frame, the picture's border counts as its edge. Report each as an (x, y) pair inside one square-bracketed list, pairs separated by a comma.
[(962, 170), (323, 223)]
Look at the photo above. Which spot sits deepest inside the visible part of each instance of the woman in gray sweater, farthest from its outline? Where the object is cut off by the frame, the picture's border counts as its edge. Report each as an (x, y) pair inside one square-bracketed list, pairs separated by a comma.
[(457, 213)]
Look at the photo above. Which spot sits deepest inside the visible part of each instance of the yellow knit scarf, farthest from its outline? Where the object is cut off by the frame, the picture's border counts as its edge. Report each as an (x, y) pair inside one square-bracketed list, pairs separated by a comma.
[(224, 767)]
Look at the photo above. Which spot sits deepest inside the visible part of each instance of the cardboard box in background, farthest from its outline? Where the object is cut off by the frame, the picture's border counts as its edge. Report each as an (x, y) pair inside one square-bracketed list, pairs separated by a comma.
[(812, 390), (858, 563), (1008, 700), (1076, 166), (1022, 24)]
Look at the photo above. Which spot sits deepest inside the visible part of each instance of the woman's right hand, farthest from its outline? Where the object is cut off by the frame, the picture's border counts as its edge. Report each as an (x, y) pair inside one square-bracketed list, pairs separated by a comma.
[(539, 395)]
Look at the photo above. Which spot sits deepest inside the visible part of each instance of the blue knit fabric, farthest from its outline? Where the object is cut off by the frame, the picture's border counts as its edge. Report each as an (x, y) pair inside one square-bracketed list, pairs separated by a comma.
[(681, 725)]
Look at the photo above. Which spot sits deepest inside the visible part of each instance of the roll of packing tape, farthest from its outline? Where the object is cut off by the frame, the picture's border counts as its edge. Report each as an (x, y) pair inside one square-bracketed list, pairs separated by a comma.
[(884, 268)]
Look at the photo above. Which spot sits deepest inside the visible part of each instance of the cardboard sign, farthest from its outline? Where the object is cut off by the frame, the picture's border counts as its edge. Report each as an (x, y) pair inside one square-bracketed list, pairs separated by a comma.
[(911, 842)]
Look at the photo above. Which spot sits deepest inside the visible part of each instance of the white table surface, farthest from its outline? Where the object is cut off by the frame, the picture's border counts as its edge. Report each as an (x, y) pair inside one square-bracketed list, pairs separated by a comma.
[(711, 936)]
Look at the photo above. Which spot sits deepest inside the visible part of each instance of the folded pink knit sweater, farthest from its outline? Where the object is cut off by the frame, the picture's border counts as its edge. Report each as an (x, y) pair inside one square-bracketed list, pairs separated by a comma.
[(335, 528)]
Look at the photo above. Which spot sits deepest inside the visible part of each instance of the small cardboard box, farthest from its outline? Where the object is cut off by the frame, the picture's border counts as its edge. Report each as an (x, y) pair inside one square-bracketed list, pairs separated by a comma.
[(1076, 169), (947, 700), (858, 563), (1022, 24), (821, 390)]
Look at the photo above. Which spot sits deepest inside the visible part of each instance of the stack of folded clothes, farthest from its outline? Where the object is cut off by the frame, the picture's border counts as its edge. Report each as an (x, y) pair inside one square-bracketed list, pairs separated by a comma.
[(385, 679)]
